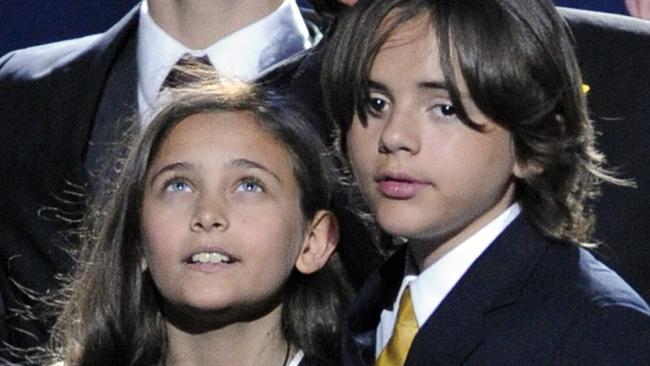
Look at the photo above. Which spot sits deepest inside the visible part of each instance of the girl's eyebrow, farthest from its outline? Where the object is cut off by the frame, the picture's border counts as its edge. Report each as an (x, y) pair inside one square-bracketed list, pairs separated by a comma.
[(250, 164), (183, 166)]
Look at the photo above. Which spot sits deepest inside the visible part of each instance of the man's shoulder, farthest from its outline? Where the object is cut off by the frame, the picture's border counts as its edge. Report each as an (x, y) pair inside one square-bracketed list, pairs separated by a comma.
[(579, 19), (40, 60)]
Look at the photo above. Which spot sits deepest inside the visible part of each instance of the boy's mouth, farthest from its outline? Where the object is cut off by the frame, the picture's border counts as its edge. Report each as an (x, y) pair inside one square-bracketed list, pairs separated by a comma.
[(398, 186)]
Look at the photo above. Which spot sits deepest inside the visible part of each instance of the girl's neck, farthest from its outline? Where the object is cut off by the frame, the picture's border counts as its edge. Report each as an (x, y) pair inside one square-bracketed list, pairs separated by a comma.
[(248, 343), (199, 23)]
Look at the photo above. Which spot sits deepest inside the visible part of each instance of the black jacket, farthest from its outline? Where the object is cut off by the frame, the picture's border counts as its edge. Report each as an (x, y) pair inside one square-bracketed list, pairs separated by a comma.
[(525, 301)]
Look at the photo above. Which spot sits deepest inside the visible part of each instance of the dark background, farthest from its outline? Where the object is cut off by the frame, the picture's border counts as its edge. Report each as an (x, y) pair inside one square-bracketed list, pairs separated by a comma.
[(26, 23)]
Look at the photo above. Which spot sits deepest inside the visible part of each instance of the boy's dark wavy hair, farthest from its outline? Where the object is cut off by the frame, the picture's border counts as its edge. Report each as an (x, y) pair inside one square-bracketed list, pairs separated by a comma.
[(111, 313), (518, 62)]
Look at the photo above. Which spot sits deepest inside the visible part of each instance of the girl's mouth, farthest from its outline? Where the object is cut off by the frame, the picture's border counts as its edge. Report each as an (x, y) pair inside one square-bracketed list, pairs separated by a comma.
[(209, 257)]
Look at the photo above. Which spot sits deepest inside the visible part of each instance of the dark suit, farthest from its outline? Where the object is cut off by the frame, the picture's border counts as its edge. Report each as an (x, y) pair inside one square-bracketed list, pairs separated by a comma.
[(50, 99), (311, 361), (525, 301)]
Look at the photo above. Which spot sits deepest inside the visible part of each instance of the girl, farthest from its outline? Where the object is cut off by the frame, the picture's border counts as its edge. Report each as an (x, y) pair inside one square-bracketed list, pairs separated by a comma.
[(215, 246), (466, 128)]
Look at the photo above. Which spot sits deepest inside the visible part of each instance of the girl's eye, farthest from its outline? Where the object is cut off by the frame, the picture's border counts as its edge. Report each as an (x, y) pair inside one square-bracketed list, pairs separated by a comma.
[(250, 185), (176, 185)]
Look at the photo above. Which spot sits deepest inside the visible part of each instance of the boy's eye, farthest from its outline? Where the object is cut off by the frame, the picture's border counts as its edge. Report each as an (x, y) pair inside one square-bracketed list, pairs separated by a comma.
[(250, 185), (376, 104), (445, 110)]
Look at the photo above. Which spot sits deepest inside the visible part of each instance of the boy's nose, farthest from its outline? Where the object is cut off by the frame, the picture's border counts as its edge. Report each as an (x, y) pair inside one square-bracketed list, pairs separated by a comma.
[(399, 135)]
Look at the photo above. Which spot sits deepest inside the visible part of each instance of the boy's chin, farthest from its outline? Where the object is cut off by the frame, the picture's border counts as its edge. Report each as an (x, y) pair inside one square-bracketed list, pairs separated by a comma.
[(402, 228), (416, 231)]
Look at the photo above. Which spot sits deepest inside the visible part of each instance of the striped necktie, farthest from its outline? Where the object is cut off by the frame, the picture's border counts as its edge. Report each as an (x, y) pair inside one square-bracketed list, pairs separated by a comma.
[(406, 326), (188, 69)]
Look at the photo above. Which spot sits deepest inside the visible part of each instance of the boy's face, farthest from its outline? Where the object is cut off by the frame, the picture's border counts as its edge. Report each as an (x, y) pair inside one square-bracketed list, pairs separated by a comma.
[(426, 175)]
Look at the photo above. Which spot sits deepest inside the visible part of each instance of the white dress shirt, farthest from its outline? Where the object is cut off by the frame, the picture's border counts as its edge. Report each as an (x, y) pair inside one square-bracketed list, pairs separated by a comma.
[(429, 288), (295, 361), (244, 54)]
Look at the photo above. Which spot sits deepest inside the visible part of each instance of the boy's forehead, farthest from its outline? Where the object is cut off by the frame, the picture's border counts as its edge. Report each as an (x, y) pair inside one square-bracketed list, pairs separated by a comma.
[(413, 43), (411, 30)]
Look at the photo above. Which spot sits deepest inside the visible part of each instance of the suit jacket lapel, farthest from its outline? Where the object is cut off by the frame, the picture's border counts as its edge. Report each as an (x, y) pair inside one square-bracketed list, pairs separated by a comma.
[(494, 281), (90, 70), (377, 294), (115, 118)]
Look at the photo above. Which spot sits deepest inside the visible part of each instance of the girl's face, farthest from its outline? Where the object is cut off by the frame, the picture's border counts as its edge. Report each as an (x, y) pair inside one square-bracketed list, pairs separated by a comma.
[(427, 176), (221, 214)]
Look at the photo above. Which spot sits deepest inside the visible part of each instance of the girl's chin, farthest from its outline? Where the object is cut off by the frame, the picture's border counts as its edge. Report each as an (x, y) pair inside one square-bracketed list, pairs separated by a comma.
[(208, 315)]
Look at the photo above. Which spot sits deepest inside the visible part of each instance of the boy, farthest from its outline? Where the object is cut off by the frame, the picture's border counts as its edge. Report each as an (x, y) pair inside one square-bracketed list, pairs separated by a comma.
[(466, 128)]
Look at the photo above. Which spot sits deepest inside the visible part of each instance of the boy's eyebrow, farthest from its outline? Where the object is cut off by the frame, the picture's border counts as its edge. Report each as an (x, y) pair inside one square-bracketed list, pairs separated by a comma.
[(434, 84), (372, 84), (250, 164)]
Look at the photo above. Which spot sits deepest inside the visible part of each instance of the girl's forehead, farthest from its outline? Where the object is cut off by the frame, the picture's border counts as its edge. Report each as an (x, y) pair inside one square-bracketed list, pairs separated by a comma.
[(221, 135)]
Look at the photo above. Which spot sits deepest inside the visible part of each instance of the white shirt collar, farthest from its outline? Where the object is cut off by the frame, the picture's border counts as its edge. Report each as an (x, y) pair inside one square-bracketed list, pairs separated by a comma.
[(429, 288), (295, 361), (244, 53)]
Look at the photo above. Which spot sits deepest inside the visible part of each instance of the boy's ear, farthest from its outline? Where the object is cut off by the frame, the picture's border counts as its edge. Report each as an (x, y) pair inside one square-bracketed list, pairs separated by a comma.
[(321, 239), (526, 169), (144, 266)]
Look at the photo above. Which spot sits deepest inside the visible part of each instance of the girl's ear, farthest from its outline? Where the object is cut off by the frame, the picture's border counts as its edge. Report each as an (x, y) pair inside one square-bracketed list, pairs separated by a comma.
[(321, 239)]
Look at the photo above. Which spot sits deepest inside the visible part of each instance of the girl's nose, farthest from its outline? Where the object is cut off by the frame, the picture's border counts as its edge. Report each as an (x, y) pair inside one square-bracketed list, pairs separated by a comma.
[(210, 215)]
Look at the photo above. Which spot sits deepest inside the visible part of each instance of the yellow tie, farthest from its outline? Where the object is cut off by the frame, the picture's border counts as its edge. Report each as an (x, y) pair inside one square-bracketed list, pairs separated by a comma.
[(406, 326)]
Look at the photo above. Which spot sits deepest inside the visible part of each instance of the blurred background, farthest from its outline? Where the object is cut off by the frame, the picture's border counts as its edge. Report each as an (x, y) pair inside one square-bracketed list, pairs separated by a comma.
[(31, 22)]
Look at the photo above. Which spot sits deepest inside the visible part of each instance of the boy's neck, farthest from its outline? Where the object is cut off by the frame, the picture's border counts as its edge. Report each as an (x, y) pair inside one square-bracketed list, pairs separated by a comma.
[(199, 23), (247, 343)]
